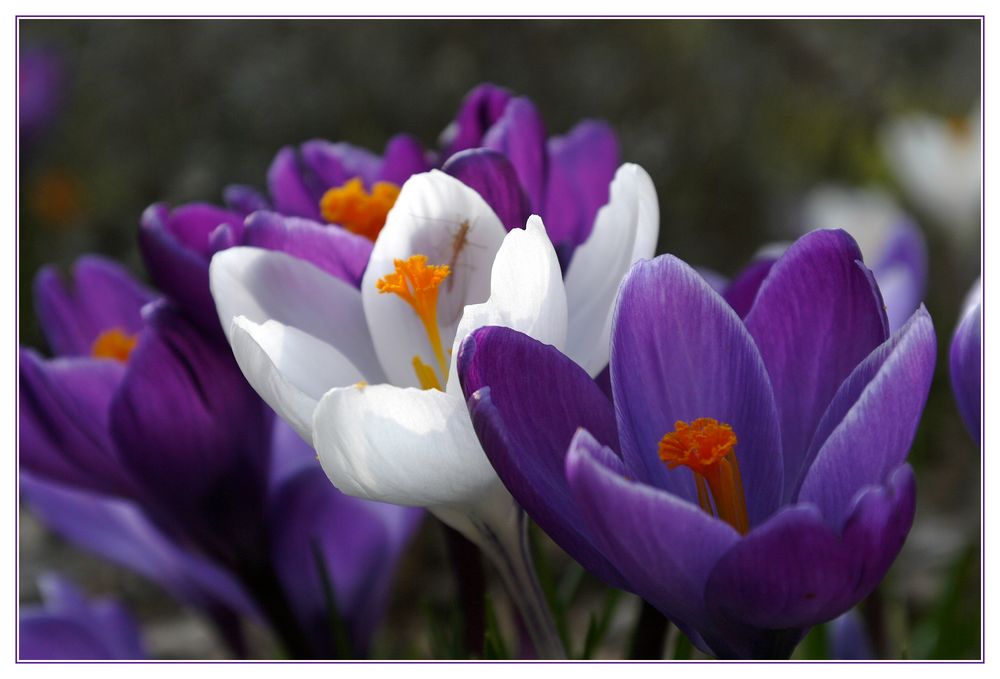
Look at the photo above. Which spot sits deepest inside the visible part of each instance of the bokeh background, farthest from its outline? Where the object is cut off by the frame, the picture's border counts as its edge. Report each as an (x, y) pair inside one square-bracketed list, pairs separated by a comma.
[(734, 120)]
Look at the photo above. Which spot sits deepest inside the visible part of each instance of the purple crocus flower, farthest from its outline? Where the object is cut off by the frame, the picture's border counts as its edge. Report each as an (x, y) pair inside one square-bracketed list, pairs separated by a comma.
[(141, 441), (68, 627), (749, 478), (965, 361), (41, 80)]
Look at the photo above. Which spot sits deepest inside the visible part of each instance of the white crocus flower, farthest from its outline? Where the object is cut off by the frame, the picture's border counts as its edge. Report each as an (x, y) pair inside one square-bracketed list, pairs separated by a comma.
[(367, 376), (938, 163)]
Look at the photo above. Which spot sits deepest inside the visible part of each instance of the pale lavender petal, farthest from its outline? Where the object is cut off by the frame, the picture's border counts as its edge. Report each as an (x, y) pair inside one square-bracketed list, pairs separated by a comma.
[(680, 353), (848, 638), (901, 272), (817, 315)]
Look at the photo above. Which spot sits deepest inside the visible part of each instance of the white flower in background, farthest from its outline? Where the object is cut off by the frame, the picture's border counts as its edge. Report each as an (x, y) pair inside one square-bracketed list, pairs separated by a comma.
[(938, 163), (892, 244), (367, 376)]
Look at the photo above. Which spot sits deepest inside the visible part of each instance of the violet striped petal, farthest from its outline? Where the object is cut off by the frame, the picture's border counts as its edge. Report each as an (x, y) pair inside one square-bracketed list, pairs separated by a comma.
[(680, 353), (494, 178)]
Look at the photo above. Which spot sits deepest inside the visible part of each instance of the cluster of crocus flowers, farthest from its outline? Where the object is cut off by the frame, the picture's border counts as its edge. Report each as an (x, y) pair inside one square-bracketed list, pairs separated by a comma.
[(367, 376), (749, 476), (140, 441)]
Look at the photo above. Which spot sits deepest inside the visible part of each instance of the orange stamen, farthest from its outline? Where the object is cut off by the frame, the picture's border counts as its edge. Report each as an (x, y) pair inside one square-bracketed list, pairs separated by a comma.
[(708, 448), (115, 344), (356, 210), (417, 284)]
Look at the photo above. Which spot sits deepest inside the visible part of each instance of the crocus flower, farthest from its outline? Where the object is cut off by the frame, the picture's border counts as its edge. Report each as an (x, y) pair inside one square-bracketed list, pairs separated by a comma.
[(890, 240), (938, 163), (749, 478), (68, 627), (965, 361), (41, 80), (848, 639), (366, 376), (141, 441)]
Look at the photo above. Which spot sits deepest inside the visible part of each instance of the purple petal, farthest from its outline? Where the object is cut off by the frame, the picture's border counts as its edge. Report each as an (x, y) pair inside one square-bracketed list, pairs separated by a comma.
[(817, 315), (360, 545), (108, 620), (192, 433), (679, 353), (901, 272), (119, 531), (494, 178), (244, 199), (870, 424), (403, 156), (64, 405), (327, 164), (100, 295), (742, 290), (520, 135), (479, 111), (44, 636), (965, 366), (664, 547), (848, 638), (289, 191), (337, 251), (794, 572), (507, 407), (177, 246), (581, 165)]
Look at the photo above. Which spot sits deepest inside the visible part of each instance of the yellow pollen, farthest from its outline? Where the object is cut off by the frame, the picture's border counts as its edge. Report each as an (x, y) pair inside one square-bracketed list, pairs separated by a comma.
[(356, 210), (417, 284), (708, 448), (115, 344)]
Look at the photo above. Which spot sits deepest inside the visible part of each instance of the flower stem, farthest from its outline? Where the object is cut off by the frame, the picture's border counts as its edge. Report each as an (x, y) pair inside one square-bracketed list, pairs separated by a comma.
[(510, 554)]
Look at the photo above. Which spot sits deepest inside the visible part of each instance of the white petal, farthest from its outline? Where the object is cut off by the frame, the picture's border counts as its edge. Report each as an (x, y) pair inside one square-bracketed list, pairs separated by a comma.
[(403, 446), (869, 215), (440, 217), (526, 294), (290, 369), (265, 285), (625, 231)]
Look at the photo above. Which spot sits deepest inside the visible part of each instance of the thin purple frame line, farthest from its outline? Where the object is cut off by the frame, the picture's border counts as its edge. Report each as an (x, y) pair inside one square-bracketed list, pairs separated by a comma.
[(506, 16), (982, 19), (982, 330), (17, 331)]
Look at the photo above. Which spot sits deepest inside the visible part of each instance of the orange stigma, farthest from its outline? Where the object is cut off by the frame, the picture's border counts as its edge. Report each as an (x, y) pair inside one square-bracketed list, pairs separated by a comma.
[(356, 210), (417, 284), (114, 344), (707, 447)]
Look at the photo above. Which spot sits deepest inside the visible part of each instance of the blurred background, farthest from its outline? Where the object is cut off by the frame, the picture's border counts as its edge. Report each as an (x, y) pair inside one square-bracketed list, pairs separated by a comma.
[(736, 122)]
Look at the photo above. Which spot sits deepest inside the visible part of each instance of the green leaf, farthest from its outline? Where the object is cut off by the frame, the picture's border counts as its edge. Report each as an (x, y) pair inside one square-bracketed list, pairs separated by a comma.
[(599, 624), (494, 647)]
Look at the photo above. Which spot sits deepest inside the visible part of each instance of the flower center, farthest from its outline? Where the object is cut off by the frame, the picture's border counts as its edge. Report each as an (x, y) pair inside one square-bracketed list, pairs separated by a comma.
[(115, 344), (356, 210), (417, 284), (707, 447)]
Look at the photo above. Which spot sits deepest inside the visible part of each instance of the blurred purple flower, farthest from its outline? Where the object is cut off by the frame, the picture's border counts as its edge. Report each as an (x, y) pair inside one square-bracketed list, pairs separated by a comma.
[(68, 627), (965, 361), (328, 200), (794, 425), (41, 81), (848, 638), (142, 441)]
